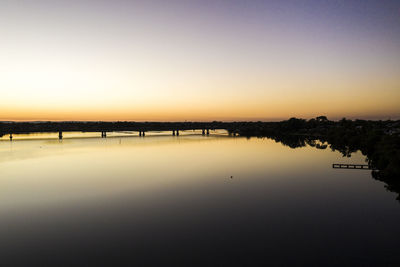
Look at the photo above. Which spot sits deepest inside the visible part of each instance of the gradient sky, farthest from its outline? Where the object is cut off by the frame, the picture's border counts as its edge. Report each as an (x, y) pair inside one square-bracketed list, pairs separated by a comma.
[(199, 60)]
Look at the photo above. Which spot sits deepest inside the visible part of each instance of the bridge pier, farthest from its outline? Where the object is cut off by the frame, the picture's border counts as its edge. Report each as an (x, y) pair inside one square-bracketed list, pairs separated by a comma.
[(103, 134), (208, 131), (60, 135), (177, 132), (11, 137), (173, 132), (203, 131)]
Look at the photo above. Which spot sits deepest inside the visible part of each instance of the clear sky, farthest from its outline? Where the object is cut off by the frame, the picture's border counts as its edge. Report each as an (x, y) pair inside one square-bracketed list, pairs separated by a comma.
[(199, 60)]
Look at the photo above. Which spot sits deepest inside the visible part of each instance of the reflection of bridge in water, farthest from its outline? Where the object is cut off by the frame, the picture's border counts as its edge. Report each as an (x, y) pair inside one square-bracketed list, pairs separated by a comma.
[(352, 166)]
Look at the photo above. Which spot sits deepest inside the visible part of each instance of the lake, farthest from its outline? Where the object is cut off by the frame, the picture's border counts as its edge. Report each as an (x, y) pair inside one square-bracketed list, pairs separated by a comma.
[(188, 200)]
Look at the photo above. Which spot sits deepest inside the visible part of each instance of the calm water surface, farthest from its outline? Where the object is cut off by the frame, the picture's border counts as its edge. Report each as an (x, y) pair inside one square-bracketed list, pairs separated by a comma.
[(188, 200)]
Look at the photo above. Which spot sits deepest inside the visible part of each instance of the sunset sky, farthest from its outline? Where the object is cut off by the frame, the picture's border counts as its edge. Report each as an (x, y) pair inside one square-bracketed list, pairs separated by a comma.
[(199, 60)]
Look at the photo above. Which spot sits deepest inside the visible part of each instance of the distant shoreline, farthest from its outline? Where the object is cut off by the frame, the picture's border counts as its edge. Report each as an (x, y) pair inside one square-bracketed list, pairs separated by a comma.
[(317, 125)]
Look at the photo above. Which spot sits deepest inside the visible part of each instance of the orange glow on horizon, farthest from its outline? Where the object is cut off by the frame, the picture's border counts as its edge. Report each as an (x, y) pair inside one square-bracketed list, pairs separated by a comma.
[(108, 64)]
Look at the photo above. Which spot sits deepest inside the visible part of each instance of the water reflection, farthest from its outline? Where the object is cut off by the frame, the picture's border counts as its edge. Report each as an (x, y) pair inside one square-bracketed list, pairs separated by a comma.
[(376, 158), (189, 200)]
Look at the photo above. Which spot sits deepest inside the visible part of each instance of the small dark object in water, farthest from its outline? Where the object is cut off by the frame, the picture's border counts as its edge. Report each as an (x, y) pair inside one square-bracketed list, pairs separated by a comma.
[(231, 177)]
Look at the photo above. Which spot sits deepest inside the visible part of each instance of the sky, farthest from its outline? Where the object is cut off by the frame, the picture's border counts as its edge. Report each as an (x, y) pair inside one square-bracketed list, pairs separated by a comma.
[(199, 60)]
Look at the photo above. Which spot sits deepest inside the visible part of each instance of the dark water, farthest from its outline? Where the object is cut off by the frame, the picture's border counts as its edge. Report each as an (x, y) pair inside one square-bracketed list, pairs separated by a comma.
[(189, 201)]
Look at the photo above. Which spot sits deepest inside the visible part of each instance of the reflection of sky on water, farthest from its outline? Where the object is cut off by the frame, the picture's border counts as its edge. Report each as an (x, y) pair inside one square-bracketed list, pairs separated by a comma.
[(102, 188)]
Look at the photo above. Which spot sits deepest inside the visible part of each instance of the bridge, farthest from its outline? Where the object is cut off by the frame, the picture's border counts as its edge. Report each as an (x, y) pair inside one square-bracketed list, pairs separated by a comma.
[(10, 128)]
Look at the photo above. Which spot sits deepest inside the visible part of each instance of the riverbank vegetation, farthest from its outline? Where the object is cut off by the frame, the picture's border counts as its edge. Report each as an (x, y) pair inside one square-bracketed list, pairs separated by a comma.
[(379, 141)]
